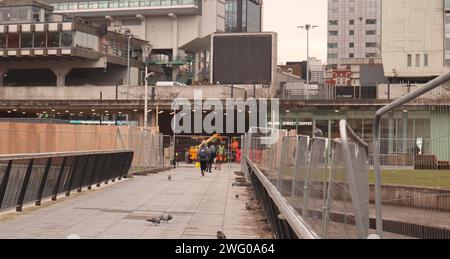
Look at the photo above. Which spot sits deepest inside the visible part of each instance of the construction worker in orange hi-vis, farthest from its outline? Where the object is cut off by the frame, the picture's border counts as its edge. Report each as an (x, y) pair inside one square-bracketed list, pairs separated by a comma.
[(235, 148)]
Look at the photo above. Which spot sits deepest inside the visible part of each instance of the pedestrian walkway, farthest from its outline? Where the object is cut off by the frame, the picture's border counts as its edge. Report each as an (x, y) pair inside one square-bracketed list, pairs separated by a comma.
[(200, 206)]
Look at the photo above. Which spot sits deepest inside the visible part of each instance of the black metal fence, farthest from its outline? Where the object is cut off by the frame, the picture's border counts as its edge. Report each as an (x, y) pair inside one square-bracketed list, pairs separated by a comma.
[(30, 178), (282, 218)]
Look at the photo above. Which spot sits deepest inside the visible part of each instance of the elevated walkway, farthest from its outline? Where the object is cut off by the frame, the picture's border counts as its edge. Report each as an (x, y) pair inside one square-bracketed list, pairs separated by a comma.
[(200, 206)]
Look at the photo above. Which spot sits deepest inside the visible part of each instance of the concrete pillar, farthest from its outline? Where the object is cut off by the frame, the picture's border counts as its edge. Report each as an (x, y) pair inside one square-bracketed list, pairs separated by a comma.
[(3, 71), (405, 132), (153, 118), (391, 128), (196, 66), (174, 44), (61, 74)]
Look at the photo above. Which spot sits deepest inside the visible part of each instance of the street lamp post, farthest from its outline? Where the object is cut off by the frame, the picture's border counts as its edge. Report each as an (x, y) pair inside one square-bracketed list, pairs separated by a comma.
[(128, 61), (146, 97), (307, 27)]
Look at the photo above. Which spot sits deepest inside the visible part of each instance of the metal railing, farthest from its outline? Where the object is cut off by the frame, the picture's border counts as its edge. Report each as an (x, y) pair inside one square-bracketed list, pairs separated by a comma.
[(283, 219), (320, 201), (28, 178)]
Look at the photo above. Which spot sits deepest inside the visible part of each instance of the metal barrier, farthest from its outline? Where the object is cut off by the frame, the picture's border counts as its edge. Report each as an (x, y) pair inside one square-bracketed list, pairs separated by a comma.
[(147, 145), (347, 203), (292, 178), (414, 202), (283, 219), (30, 178)]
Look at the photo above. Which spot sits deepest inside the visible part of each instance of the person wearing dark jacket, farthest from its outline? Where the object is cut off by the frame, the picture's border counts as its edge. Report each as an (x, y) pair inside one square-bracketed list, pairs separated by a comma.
[(203, 157)]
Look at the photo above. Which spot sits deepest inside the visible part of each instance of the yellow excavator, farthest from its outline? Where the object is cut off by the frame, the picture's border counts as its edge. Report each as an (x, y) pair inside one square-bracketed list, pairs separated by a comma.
[(193, 150)]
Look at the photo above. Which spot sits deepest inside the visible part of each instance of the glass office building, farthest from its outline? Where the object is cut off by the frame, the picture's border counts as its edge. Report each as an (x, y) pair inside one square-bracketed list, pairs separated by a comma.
[(243, 15)]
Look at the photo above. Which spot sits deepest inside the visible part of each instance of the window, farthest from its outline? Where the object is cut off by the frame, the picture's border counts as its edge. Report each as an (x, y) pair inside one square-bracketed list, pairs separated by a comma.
[(371, 44), (371, 32), (333, 22), (332, 45), (409, 60), (352, 32), (40, 40), (425, 60), (351, 45), (83, 5), (27, 40), (19, 14), (103, 4), (351, 55), (332, 55), (333, 33), (13, 40), (73, 6), (66, 39), (371, 21), (417, 60), (2, 40), (53, 40), (123, 3), (352, 22)]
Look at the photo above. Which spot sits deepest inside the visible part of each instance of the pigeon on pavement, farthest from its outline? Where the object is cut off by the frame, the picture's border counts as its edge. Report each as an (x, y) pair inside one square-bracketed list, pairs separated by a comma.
[(221, 235), (166, 217), (237, 196), (169, 177), (155, 220)]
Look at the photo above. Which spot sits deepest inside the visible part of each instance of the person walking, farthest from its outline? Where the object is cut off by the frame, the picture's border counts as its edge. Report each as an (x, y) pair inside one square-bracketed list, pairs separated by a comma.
[(212, 157), (203, 157)]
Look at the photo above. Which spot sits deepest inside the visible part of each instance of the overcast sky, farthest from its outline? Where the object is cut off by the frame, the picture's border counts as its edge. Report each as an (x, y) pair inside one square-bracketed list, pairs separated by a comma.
[(283, 17)]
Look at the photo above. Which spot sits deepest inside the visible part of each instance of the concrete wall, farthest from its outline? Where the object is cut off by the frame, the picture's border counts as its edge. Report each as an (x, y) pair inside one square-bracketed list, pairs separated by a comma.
[(188, 29), (159, 32), (413, 27), (213, 17)]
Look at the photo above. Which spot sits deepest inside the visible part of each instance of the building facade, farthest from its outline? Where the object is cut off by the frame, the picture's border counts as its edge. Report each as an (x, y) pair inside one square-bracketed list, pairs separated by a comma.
[(179, 31), (54, 50), (243, 15), (354, 30), (316, 71), (413, 39)]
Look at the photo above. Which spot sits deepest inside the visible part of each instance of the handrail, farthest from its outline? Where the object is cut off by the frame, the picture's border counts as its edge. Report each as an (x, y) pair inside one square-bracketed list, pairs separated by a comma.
[(60, 154), (300, 227), (377, 129), (353, 135)]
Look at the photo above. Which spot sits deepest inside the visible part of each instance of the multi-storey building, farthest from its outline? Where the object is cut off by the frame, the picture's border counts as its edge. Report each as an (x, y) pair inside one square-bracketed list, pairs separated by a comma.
[(39, 48), (178, 30), (316, 71), (414, 49), (243, 15), (354, 31)]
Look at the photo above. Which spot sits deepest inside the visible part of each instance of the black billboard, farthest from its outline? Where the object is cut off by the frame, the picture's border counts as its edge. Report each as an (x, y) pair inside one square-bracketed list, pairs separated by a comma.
[(242, 59)]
